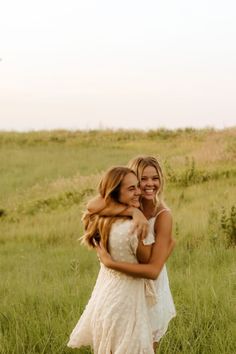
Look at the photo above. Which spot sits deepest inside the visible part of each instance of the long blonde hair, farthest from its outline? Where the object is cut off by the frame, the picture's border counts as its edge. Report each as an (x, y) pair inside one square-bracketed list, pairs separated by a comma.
[(97, 226), (139, 163)]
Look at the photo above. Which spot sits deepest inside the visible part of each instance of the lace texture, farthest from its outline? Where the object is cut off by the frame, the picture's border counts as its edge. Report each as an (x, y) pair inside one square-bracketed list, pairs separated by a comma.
[(117, 317)]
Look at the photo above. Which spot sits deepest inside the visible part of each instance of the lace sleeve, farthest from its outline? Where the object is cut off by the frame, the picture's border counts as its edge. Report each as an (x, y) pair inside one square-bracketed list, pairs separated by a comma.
[(149, 239)]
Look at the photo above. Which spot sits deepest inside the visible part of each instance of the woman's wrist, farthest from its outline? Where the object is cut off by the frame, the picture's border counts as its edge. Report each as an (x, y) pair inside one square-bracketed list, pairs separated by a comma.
[(133, 211), (129, 211), (109, 263), (136, 211)]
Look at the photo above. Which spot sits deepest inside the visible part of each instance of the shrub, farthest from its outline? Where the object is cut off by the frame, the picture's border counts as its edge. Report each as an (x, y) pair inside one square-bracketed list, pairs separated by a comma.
[(191, 175), (228, 225)]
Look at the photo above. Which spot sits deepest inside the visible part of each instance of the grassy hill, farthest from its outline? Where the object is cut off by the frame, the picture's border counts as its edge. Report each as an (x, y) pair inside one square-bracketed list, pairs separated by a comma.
[(47, 277)]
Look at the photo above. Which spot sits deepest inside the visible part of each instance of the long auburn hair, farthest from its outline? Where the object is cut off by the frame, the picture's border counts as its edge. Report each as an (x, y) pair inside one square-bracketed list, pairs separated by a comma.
[(97, 226)]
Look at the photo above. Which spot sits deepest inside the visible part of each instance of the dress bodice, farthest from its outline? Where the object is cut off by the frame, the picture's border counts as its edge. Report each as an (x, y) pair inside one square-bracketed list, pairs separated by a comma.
[(123, 242)]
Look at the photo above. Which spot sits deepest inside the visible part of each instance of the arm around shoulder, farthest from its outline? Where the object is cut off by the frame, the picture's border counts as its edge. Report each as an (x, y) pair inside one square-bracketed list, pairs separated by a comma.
[(95, 205), (161, 250), (98, 205)]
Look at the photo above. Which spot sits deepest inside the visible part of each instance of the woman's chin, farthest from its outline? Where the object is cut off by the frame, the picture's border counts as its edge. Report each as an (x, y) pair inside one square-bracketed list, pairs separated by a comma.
[(148, 197), (135, 205)]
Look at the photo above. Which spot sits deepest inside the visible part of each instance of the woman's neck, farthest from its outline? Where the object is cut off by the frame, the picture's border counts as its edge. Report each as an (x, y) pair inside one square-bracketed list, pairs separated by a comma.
[(149, 208)]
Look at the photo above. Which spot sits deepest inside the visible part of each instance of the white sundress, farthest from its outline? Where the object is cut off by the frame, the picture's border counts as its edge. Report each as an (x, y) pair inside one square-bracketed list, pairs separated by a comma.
[(117, 319), (164, 310)]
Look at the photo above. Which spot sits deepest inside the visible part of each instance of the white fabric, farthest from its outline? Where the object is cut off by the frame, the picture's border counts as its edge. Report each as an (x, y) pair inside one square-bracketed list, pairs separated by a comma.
[(164, 310), (149, 239), (116, 319)]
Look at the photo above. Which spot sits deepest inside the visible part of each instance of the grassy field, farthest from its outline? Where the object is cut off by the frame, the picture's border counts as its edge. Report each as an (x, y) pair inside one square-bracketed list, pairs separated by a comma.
[(47, 276)]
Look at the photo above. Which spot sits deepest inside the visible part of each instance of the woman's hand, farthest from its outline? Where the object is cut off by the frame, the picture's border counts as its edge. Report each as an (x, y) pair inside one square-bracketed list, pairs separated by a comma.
[(103, 255), (141, 225)]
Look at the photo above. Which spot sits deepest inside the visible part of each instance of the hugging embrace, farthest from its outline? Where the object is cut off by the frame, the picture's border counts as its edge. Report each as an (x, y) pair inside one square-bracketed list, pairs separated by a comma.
[(130, 226)]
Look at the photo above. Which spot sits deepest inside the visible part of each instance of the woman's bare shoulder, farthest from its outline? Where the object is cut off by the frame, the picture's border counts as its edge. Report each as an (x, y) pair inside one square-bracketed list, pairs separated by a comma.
[(163, 217), (162, 208)]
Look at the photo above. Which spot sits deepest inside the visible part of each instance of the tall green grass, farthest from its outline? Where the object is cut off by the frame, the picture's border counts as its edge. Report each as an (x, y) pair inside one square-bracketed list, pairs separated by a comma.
[(47, 276)]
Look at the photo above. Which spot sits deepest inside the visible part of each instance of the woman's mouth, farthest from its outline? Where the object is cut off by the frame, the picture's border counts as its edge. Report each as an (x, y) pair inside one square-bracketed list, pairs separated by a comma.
[(149, 191)]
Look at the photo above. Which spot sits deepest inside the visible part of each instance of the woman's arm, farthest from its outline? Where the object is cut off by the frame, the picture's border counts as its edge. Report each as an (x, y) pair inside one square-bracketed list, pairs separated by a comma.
[(143, 252), (160, 252), (98, 206)]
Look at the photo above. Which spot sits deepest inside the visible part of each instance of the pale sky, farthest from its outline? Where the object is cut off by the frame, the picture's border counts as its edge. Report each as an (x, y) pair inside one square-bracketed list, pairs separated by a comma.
[(117, 64)]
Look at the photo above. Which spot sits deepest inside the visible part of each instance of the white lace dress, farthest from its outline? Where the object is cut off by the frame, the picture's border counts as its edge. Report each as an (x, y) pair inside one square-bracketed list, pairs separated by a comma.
[(117, 319), (164, 310)]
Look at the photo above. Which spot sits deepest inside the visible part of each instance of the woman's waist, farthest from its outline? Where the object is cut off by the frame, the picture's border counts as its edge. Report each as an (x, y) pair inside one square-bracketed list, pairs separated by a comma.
[(149, 289), (116, 274)]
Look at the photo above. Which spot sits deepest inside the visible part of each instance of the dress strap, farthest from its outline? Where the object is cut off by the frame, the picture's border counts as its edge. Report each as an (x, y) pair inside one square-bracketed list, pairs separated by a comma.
[(159, 212)]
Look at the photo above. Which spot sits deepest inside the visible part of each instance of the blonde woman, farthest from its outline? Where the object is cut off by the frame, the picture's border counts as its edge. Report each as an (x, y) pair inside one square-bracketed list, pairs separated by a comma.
[(116, 319), (158, 216)]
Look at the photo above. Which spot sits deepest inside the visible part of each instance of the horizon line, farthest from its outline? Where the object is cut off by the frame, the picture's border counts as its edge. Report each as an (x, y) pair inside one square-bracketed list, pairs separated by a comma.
[(87, 130)]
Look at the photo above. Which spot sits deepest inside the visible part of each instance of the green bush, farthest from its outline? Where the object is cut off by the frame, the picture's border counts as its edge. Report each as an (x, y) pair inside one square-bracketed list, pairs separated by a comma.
[(228, 225)]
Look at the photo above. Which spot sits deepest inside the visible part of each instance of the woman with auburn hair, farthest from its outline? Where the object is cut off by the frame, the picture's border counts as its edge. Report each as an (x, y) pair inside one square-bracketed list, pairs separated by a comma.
[(116, 319), (158, 216)]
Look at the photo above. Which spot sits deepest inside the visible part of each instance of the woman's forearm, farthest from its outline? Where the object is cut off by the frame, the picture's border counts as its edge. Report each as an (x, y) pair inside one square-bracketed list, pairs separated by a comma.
[(96, 205), (99, 206), (150, 270), (134, 269), (116, 209)]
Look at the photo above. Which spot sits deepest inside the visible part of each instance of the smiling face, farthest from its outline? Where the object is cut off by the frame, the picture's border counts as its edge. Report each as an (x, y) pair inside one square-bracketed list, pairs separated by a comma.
[(150, 183), (130, 191), (150, 175)]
